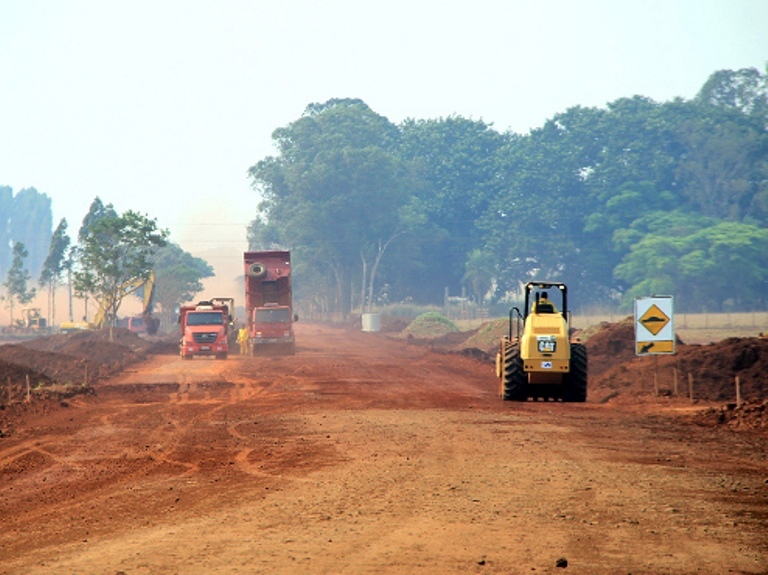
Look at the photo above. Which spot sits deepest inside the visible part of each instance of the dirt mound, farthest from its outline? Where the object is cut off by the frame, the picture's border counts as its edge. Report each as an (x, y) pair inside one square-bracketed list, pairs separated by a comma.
[(97, 345), (749, 416), (432, 325), (615, 369), (391, 324), (60, 366), (711, 370), (488, 336), (609, 344)]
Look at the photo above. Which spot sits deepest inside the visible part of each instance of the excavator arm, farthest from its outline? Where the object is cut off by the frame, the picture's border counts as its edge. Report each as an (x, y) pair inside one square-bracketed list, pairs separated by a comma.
[(106, 306)]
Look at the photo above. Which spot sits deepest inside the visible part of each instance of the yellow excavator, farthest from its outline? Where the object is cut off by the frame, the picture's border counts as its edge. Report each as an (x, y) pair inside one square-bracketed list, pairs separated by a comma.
[(107, 304), (145, 322)]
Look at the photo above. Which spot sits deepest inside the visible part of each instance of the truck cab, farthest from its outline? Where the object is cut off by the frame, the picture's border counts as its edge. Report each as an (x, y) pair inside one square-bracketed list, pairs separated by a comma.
[(204, 330)]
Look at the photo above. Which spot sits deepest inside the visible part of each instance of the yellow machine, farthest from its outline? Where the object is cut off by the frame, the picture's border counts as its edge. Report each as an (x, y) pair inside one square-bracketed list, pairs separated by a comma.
[(537, 359), (32, 319), (106, 305), (146, 322)]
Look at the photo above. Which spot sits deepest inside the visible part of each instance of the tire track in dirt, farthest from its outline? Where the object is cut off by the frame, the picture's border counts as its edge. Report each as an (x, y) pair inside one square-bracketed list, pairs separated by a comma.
[(365, 455)]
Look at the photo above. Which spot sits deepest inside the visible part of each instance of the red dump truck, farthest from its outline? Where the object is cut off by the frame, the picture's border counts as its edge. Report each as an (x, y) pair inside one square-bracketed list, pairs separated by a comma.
[(269, 302), (205, 329)]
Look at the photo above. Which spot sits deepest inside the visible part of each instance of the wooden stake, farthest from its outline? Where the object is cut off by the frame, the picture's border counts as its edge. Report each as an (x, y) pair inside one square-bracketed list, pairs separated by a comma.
[(29, 391), (738, 392), (690, 386), (674, 380)]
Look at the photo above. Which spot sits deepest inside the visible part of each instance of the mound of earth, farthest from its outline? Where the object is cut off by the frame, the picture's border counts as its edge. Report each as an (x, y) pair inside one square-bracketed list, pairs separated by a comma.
[(609, 344), (614, 368), (391, 324), (749, 416), (431, 325), (62, 365), (710, 370)]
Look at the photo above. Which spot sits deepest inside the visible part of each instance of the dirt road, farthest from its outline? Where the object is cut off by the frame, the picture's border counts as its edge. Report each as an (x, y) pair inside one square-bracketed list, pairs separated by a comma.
[(363, 454)]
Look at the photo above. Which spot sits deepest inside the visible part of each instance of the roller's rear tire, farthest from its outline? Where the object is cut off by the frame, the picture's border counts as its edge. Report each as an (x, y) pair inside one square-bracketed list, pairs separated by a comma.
[(509, 367), (575, 389)]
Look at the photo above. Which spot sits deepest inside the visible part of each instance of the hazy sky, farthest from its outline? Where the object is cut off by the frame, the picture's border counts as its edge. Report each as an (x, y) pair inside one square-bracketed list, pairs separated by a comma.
[(161, 106)]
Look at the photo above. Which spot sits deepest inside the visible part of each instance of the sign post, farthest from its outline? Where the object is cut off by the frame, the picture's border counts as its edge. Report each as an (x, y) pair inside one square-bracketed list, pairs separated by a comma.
[(654, 326)]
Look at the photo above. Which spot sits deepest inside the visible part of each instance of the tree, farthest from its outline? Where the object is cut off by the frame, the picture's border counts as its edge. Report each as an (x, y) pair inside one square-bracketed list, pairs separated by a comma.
[(115, 257), (178, 276), (32, 224), (338, 194), (97, 211), (558, 203), (745, 90), (723, 171), (458, 163), (55, 265), (480, 271), (25, 217), (534, 227), (707, 264), (17, 278)]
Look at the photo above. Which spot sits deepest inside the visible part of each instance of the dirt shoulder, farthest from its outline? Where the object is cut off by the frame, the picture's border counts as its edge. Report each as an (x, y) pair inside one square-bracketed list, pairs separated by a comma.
[(368, 454)]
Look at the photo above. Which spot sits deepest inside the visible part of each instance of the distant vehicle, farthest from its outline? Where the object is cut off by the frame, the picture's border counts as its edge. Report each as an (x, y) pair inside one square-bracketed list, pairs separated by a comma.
[(269, 302), (204, 329), (539, 360), (32, 319), (148, 323)]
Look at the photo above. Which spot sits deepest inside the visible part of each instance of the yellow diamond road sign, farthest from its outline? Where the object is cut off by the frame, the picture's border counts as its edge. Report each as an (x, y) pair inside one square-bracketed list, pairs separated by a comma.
[(654, 325), (654, 320)]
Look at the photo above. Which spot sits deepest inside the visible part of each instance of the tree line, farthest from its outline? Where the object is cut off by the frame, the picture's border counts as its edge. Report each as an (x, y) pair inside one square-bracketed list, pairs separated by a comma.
[(634, 199), (113, 257), (25, 217)]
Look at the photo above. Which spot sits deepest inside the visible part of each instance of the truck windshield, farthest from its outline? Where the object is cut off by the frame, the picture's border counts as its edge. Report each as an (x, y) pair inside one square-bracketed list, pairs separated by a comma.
[(204, 318), (273, 315)]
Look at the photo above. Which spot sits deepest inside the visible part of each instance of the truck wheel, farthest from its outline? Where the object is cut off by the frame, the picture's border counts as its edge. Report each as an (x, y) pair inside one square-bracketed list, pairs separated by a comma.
[(512, 376), (575, 388)]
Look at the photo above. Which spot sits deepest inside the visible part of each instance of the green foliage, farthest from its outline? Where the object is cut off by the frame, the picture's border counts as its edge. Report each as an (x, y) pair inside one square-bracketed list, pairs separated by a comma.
[(115, 254), (17, 278), (607, 200), (458, 163), (719, 267), (55, 264), (339, 193), (178, 276), (480, 271), (24, 217)]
